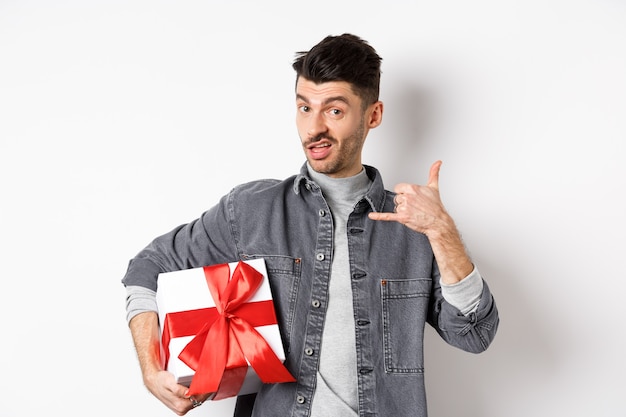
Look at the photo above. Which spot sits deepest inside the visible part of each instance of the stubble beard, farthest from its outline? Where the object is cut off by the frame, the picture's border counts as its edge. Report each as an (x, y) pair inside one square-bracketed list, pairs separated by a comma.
[(342, 157)]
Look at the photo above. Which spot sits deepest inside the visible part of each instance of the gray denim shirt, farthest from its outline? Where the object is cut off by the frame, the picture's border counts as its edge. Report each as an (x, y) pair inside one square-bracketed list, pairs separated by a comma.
[(395, 289)]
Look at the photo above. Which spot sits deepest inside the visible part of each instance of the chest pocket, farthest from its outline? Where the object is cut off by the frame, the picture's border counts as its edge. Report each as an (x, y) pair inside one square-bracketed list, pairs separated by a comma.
[(405, 306), (284, 274)]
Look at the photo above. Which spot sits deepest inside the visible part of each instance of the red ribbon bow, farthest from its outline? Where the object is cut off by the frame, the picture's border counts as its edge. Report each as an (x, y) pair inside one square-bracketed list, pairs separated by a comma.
[(225, 335)]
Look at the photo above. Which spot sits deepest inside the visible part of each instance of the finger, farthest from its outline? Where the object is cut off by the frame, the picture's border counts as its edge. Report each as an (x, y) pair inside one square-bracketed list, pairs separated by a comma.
[(385, 217), (195, 402), (433, 175), (399, 199), (403, 188), (199, 397)]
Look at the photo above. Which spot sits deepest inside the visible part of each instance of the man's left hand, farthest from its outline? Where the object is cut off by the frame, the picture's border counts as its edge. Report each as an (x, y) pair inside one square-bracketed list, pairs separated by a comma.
[(418, 207)]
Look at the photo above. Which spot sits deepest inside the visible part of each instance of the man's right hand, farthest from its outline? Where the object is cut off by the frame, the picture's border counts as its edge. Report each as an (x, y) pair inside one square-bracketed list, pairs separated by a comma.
[(144, 328)]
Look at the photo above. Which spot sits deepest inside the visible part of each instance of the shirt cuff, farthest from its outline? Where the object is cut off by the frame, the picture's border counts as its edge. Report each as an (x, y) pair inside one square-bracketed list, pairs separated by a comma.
[(465, 294), (139, 300)]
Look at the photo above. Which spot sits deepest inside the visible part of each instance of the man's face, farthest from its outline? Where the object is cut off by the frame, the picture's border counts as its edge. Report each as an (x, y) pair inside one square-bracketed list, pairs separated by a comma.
[(332, 126)]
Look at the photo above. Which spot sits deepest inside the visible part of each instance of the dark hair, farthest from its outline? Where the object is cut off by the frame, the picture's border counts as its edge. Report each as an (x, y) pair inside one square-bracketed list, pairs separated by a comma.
[(342, 58)]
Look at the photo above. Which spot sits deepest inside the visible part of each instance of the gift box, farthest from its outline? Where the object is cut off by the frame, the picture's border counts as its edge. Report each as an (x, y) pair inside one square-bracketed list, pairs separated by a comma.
[(219, 332)]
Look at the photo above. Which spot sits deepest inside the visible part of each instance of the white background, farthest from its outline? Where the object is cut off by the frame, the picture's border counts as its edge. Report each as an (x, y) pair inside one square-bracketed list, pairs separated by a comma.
[(122, 119)]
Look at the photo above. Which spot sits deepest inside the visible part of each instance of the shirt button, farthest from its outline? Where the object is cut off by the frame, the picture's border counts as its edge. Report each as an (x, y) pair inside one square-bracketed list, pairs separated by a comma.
[(320, 256), (322, 213), (300, 399), (316, 303), (308, 351)]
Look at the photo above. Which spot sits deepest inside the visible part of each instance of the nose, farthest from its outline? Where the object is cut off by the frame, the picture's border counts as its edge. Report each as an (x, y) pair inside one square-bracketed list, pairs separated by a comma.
[(316, 126)]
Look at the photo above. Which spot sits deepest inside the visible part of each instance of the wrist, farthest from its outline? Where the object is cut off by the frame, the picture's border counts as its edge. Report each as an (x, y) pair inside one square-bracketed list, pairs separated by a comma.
[(443, 231), (151, 377), (449, 251)]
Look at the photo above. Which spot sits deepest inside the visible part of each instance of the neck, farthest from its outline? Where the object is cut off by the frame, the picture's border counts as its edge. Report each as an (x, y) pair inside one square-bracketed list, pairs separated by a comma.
[(348, 189)]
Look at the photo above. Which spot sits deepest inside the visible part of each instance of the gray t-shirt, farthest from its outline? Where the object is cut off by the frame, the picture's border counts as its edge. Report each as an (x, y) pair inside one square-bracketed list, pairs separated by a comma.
[(336, 389)]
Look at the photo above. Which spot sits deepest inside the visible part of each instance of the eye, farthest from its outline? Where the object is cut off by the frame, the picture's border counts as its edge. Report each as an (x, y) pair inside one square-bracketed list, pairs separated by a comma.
[(304, 108), (336, 112)]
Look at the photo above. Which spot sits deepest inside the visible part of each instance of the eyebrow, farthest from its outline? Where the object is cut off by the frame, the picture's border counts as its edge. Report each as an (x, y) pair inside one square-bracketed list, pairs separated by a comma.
[(325, 102)]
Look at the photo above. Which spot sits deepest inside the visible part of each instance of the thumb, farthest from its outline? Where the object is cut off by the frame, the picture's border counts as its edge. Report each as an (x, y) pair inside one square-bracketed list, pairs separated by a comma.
[(433, 176)]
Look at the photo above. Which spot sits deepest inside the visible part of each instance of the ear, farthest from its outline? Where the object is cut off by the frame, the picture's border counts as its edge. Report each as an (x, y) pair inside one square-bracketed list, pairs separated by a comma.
[(375, 115)]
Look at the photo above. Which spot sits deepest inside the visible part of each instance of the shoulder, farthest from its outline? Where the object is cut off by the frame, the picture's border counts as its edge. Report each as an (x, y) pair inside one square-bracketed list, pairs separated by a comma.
[(263, 186), (261, 190)]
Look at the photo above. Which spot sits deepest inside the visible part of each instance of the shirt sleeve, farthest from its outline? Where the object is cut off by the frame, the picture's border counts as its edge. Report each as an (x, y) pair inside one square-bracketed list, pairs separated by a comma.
[(139, 300), (465, 294)]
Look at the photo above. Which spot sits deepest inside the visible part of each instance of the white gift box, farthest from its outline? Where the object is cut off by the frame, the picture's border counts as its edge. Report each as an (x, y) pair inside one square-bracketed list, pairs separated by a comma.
[(186, 290)]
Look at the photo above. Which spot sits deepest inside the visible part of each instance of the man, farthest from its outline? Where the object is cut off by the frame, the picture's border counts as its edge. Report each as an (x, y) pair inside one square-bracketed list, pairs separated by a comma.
[(356, 271)]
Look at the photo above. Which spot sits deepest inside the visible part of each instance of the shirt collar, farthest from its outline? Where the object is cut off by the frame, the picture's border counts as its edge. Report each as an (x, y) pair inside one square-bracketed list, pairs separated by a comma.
[(375, 196)]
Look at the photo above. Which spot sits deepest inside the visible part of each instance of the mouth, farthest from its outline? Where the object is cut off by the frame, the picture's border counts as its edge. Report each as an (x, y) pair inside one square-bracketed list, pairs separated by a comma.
[(319, 149)]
